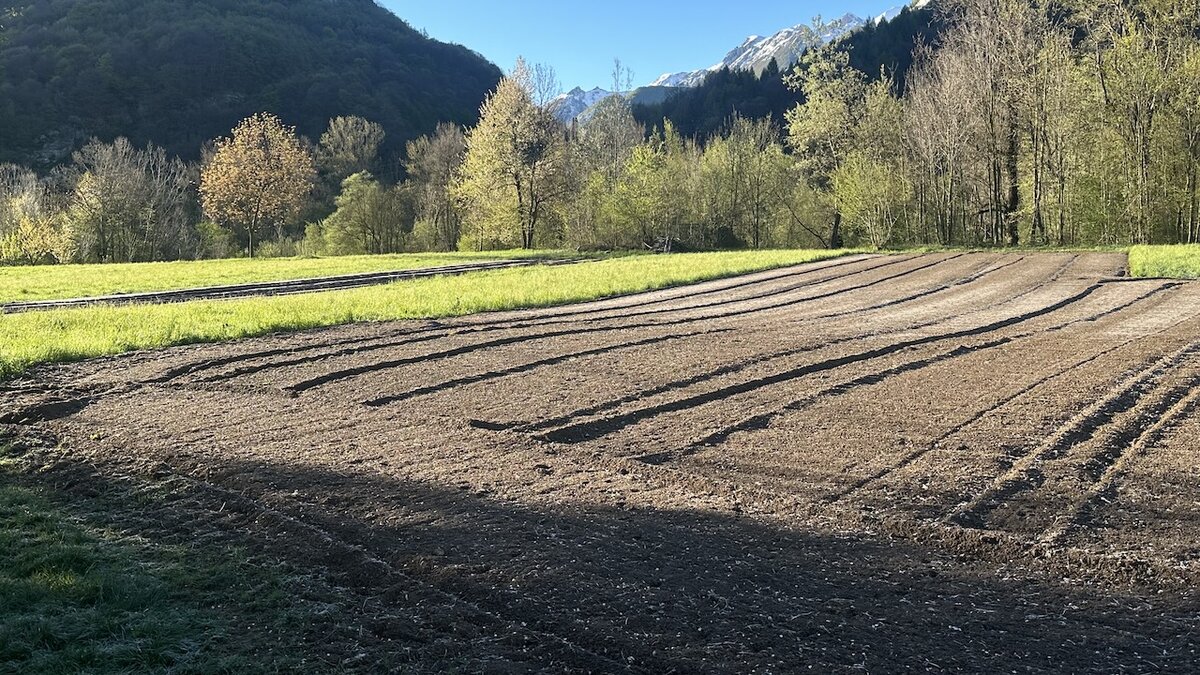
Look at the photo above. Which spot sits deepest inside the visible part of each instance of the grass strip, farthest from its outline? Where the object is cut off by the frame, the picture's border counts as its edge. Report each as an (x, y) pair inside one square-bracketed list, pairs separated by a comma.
[(57, 282), (1167, 262), (68, 335), (77, 596)]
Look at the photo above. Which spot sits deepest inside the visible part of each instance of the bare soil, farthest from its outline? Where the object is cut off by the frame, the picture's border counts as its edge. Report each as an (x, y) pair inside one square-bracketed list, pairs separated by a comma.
[(948, 462)]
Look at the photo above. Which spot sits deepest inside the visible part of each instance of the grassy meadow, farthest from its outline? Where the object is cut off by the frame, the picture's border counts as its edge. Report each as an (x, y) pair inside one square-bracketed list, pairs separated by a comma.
[(1175, 262), (53, 282), (66, 335)]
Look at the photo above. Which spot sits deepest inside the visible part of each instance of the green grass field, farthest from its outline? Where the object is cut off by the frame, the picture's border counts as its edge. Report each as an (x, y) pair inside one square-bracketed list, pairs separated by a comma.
[(74, 334), (52, 282), (1175, 262)]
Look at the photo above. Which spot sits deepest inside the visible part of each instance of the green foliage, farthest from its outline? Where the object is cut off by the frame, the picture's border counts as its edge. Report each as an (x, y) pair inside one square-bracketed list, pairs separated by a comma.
[(215, 242), (181, 72), (871, 197), (30, 231), (130, 205), (1175, 262), (68, 335), (370, 218), (31, 238), (515, 170)]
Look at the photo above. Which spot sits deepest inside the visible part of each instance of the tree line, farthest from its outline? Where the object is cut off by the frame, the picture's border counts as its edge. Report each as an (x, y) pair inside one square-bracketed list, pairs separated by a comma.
[(1059, 123), (1026, 123)]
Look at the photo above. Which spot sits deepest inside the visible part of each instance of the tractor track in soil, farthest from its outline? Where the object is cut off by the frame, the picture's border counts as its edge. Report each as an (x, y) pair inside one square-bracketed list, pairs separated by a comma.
[(881, 463)]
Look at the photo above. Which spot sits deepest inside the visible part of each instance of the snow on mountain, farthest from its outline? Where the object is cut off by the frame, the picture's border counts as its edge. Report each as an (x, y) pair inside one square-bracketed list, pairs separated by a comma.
[(569, 106), (757, 52), (895, 11), (785, 47)]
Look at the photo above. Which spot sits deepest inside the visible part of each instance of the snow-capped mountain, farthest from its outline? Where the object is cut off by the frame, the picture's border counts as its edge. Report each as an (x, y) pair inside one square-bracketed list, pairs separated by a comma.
[(757, 52), (754, 54), (895, 11), (785, 47), (569, 106)]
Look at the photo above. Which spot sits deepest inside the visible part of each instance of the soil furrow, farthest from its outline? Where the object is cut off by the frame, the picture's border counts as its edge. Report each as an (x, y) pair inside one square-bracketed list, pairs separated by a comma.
[(598, 429), (761, 421), (1024, 473), (529, 367), (994, 269), (470, 326), (1130, 443), (356, 371), (742, 365), (915, 456)]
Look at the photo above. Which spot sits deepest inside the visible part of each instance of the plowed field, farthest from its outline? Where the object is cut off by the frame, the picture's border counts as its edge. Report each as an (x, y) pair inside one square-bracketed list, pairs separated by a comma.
[(946, 462)]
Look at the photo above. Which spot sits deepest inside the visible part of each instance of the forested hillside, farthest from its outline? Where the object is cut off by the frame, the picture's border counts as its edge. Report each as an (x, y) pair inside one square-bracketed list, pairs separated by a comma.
[(181, 72)]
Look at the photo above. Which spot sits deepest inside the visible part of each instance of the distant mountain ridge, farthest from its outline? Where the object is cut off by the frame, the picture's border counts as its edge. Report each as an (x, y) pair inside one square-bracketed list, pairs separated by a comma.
[(884, 45), (754, 54), (573, 104), (757, 52)]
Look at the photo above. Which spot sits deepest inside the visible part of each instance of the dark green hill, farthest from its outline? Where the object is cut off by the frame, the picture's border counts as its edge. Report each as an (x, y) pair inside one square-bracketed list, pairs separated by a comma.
[(181, 72)]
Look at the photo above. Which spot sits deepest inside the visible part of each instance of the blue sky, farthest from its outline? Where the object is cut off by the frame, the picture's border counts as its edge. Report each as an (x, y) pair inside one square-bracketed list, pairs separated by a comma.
[(581, 38)]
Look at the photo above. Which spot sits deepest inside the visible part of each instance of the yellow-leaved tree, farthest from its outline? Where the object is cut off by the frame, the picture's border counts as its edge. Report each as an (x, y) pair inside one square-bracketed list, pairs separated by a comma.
[(261, 175), (516, 158)]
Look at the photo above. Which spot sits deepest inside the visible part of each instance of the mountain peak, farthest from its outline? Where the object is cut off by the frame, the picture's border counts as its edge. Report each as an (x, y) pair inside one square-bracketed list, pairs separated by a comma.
[(756, 52), (571, 105)]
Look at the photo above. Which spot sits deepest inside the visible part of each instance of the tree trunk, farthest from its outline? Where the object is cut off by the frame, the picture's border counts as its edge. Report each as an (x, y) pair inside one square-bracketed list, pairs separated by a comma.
[(1193, 205), (835, 234), (1013, 204)]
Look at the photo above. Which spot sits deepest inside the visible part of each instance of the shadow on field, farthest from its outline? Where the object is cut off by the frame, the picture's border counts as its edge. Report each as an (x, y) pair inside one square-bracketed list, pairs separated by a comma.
[(447, 578)]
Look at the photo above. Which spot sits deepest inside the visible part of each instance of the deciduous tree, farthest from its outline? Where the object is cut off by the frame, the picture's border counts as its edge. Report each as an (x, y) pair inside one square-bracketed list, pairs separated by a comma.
[(370, 218), (130, 205), (348, 146), (433, 162), (260, 176), (517, 151)]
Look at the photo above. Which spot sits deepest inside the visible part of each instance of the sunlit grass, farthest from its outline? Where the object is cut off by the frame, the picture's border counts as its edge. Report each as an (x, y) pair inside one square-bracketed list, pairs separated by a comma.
[(72, 281), (1175, 262), (74, 334)]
